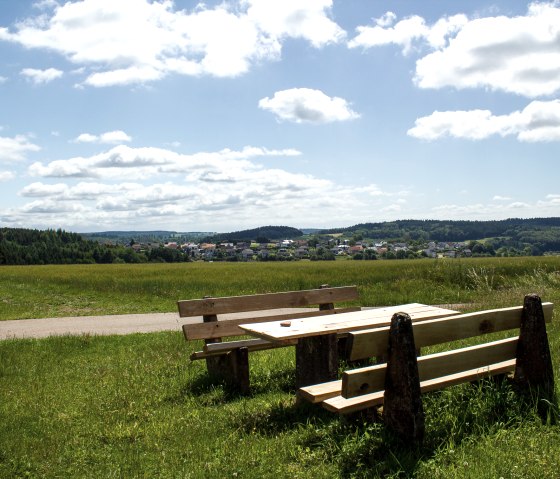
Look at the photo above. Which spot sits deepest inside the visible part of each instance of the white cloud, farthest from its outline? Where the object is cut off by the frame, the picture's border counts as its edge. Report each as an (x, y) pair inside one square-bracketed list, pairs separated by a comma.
[(6, 176), (304, 105), (517, 54), (501, 198), (513, 54), (86, 138), (213, 190), (495, 211), (15, 149), (109, 137), (137, 41), (41, 76), (537, 122), (45, 4), (407, 32), (126, 162), (3, 80), (296, 19)]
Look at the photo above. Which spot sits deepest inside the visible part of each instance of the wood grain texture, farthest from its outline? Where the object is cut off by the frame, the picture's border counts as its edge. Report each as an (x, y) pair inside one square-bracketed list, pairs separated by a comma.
[(224, 328), (342, 405), (343, 323), (290, 299), (371, 343), (319, 392), (371, 379)]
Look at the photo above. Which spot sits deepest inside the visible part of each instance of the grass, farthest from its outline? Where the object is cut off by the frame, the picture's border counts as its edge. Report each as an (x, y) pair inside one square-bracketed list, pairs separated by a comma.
[(50, 291), (134, 406)]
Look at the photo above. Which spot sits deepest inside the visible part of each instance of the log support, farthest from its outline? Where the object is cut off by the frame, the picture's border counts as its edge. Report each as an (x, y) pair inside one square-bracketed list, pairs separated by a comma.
[(316, 360), (533, 369), (402, 406)]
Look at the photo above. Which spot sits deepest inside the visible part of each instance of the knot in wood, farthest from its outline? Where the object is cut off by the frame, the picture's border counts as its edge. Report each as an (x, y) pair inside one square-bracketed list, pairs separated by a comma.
[(486, 326)]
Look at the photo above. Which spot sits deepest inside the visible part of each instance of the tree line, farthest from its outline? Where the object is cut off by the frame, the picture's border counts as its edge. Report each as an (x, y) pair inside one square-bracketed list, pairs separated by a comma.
[(20, 246), (541, 233)]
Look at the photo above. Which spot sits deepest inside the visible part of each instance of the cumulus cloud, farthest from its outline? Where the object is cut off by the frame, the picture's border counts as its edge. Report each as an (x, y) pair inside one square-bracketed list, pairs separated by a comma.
[(171, 189), (304, 105), (136, 41), (125, 162), (6, 176), (16, 148), (407, 32), (109, 137), (517, 54), (513, 54), (41, 76), (537, 122)]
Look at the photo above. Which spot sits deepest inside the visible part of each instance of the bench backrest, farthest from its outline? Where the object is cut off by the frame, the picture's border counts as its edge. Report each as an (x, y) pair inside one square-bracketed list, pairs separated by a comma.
[(209, 308), (462, 364)]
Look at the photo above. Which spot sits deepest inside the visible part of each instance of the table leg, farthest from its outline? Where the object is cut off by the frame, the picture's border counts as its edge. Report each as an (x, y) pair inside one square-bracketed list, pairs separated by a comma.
[(316, 360)]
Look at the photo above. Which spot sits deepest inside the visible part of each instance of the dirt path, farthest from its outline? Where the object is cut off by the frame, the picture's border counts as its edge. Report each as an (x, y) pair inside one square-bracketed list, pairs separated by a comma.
[(105, 325), (120, 324)]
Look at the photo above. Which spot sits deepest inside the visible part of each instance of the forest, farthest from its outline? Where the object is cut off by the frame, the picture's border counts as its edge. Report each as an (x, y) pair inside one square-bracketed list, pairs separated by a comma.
[(21, 246)]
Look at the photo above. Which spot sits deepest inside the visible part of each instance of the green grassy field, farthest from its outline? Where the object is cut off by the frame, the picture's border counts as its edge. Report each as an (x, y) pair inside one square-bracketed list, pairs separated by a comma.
[(48, 291), (134, 406)]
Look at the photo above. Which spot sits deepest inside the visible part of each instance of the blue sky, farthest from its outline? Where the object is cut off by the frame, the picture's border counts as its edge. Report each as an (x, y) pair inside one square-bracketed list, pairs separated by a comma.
[(219, 116)]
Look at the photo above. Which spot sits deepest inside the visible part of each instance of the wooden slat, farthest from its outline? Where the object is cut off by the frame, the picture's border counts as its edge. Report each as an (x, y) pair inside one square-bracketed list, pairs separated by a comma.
[(250, 344), (370, 343), (344, 322), (342, 405), (319, 392), (219, 349), (224, 328), (290, 299), (371, 379)]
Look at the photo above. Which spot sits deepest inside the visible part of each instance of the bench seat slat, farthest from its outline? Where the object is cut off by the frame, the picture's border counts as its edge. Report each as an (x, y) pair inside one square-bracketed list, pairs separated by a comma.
[(342, 405), (319, 392), (370, 379), (290, 299), (218, 349)]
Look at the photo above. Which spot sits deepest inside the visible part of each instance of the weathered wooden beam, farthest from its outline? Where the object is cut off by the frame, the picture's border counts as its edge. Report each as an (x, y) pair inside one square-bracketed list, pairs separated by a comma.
[(238, 376), (316, 360), (230, 327), (290, 299), (534, 364), (402, 411)]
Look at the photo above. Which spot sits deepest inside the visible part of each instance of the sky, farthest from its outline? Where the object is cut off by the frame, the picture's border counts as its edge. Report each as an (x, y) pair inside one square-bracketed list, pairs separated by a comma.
[(225, 115)]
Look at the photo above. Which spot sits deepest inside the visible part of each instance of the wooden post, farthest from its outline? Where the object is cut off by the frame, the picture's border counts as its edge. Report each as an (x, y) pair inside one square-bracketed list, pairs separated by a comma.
[(342, 345), (215, 364), (238, 374), (316, 360), (232, 368), (533, 369), (325, 306), (402, 406)]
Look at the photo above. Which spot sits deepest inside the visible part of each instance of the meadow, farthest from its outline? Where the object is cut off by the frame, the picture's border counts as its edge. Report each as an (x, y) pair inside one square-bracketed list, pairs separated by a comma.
[(134, 406)]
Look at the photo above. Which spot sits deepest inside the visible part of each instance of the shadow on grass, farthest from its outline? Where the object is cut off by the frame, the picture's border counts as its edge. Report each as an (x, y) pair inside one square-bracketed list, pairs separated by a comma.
[(363, 447), (282, 416)]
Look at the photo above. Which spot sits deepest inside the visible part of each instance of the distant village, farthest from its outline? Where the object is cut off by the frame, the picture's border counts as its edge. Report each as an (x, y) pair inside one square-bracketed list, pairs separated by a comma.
[(322, 248)]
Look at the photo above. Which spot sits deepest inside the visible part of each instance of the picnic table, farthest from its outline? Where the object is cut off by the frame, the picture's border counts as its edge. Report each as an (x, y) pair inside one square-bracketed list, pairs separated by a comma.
[(317, 348)]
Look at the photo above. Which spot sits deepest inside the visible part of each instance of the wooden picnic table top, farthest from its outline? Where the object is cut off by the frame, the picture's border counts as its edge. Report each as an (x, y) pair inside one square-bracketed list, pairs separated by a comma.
[(341, 323)]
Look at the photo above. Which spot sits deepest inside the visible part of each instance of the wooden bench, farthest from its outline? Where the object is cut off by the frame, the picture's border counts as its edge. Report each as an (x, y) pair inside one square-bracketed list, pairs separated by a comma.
[(229, 361), (404, 376)]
